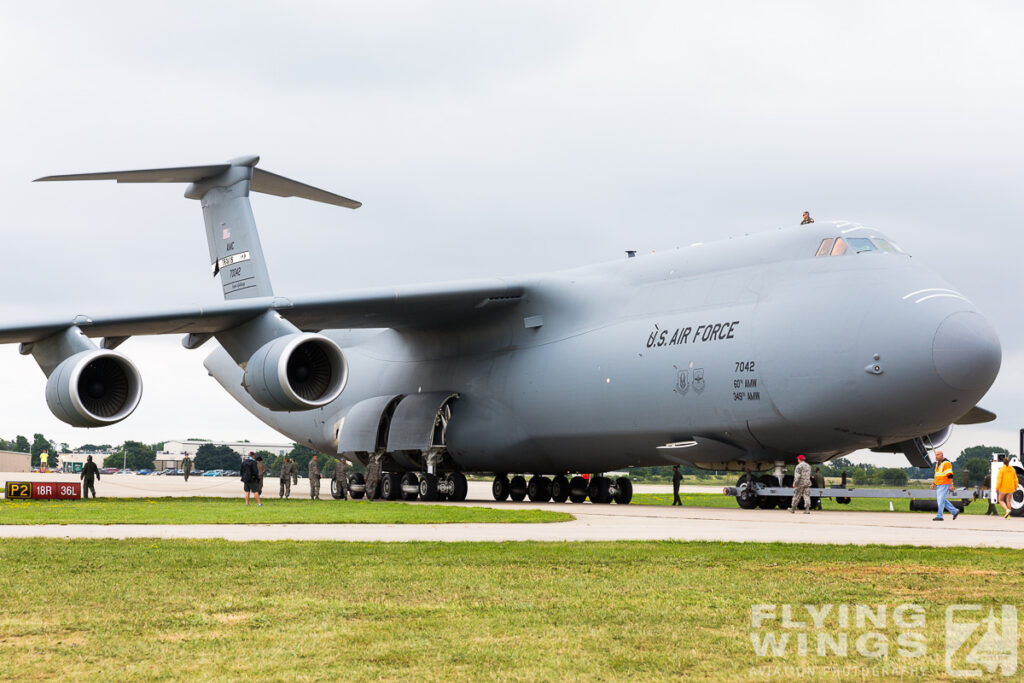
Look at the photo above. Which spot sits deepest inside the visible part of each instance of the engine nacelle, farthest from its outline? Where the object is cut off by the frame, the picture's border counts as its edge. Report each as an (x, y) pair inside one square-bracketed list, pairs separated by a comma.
[(296, 372), (94, 389)]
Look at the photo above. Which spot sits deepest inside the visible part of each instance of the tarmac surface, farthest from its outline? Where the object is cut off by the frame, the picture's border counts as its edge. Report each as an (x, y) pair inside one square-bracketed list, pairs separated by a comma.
[(592, 523)]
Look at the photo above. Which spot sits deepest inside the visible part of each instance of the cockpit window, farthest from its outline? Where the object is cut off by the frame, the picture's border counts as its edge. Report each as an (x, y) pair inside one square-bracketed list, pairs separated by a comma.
[(861, 244), (889, 246), (838, 246)]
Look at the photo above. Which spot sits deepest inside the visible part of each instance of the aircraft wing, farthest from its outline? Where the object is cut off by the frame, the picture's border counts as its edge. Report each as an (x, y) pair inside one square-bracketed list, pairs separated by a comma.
[(395, 307)]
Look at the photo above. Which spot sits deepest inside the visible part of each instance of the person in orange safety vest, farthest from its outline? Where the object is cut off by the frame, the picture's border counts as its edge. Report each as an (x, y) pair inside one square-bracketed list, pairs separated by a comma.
[(1006, 484), (942, 483)]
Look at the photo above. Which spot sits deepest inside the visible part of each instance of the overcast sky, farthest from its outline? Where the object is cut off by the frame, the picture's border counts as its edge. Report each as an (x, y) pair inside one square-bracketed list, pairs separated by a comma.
[(491, 139)]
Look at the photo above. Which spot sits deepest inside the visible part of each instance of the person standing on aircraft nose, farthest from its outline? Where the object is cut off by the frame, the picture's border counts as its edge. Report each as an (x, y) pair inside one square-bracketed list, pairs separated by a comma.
[(801, 485), (941, 484), (676, 478), (807, 218), (314, 478)]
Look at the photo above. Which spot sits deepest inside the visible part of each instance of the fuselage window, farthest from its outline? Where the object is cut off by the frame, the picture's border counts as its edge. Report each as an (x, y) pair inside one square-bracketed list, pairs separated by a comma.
[(824, 247), (839, 248), (860, 244)]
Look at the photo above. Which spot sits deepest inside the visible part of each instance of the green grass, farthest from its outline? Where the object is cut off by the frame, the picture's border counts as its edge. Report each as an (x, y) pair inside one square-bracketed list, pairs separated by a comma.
[(274, 511), (717, 500), (218, 610)]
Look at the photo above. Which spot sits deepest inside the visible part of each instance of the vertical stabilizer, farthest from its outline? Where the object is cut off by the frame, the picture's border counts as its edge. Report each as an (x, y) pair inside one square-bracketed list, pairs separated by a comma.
[(223, 190), (231, 234)]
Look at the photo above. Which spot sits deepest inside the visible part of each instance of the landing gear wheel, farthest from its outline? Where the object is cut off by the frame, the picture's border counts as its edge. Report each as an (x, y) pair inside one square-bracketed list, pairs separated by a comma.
[(356, 479), (560, 489), (578, 490), (599, 490), (517, 488), (335, 489), (389, 486), (428, 487), (458, 486), (539, 489), (410, 479), (500, 487), (747, 497), (625, 492), (767, 502)]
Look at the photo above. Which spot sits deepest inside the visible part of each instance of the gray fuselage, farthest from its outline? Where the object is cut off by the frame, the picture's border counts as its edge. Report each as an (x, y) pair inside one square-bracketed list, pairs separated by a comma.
[(752, 349)]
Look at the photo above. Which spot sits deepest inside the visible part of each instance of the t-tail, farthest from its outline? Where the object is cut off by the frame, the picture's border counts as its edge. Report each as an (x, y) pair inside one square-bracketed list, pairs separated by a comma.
[(223, 190)]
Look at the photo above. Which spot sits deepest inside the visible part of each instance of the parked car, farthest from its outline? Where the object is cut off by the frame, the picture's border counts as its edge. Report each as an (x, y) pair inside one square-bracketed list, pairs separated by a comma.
[(213, 473), (231, 473), (144, 472), (108, 470), (125, 472)]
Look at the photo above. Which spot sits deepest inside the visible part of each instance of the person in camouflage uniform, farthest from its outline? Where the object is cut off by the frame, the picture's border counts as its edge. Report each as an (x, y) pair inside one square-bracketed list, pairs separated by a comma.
[(295, 472), (287, 467), (186, 466), (261, 471), (818, 480), (89, 473), (314, 478), (341, 477), (801, 485), (373, 469)]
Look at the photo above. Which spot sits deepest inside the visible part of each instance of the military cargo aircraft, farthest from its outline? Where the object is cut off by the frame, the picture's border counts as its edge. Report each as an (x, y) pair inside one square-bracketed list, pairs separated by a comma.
[(816, 339)]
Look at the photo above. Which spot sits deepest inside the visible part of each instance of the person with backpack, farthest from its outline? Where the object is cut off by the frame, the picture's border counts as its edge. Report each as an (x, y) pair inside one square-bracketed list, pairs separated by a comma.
[(250, 479)]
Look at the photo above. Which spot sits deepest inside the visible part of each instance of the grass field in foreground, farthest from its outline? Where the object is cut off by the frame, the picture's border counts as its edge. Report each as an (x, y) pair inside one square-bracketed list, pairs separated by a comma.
[(204, 610), (717, 500), (274, 511)]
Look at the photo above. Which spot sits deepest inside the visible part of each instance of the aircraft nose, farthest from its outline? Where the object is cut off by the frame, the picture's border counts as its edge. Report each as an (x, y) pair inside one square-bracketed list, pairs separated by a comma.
[(966, 352)]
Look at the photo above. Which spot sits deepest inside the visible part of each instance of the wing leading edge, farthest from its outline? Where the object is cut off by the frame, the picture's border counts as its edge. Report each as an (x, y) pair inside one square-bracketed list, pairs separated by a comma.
[(398, 307)]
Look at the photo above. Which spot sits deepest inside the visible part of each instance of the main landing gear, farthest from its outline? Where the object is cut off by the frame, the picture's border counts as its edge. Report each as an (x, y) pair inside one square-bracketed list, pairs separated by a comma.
[(411, 486), (541, 489)]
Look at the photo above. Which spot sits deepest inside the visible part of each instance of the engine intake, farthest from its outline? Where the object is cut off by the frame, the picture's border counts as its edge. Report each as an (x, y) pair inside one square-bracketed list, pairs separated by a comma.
[(94, 389), (296, 372)]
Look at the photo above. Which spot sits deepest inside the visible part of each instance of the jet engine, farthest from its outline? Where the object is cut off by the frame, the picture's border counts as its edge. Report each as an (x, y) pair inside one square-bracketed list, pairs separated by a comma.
[(94, 388), (296, 372)]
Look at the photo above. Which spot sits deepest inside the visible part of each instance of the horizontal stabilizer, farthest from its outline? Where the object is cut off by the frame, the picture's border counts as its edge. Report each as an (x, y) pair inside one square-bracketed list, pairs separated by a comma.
[(181, 174), (271, 183), (262, 181)]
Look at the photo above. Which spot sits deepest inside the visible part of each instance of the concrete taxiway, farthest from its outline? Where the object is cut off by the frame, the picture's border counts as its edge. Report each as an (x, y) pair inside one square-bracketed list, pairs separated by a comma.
[(592, 523), (601, 523)]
